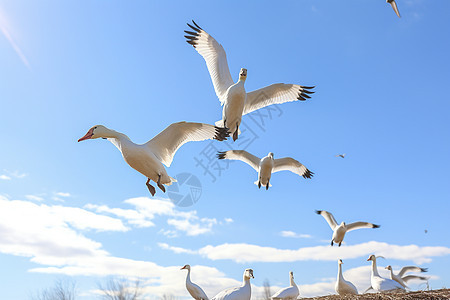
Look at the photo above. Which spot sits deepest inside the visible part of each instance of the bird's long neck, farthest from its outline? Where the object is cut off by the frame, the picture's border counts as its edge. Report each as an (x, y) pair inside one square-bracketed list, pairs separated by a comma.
[(374, 268), (246, 281), (340, 272), (392, 273), (292, 282), (118, 138), (188, 276)]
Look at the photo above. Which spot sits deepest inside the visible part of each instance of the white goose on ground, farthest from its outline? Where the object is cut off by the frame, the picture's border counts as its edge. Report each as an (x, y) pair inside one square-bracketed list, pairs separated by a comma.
[(148, 158), (267, 165), (400, 278), (289, 293), (196, 292), (344, 287), (235, 100), (243, 292), (340, 230), (380, 284), (394, 6)]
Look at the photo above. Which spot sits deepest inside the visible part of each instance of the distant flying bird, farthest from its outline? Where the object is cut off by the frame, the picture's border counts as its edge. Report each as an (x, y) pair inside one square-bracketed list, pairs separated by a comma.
[(243, 292), (267, 165), (342, 286), (289, 293), (148, 158), (404, 279), (196, 292), (426, 231), (340, 230), (394, 6), (380, 284), (340, 155), (235, 100)]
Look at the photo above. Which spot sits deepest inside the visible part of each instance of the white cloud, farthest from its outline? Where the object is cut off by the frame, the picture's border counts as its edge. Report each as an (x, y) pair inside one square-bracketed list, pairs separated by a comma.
[(292, 234), (5, 177), (146, 210), (253, 253), (62, 194), (34, 198), (176, 250)]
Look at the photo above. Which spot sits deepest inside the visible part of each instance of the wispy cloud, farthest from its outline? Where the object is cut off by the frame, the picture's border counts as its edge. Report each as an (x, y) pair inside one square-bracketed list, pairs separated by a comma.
[(4, 25), (5, 177), (247, 253), (145, 210), (8, 175), (292, 234), (34, 198)]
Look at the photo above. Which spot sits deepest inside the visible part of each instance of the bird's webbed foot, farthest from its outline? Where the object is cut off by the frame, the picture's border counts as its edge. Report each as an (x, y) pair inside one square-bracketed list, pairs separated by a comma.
[(160, 185), (150, 187)]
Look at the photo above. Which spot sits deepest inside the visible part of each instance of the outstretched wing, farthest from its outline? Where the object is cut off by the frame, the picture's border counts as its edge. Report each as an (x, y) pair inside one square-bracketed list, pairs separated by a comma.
[(328, 217), (411, 269), (394, 6), (241, 155), (215, 58), (275, 94), (290, 164), (412, 277), (357, 225), (167, 142)]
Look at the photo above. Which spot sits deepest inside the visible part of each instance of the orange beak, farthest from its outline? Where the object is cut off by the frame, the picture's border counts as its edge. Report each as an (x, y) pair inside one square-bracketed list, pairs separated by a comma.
[(88, 135)]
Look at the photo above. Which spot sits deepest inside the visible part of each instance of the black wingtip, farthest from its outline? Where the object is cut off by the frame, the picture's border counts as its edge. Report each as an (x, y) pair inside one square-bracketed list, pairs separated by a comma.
[(308, 174), (221, 133), (318, 212), (198, 29), (196, 25), (221, 154), (424, 269), (375, 226)]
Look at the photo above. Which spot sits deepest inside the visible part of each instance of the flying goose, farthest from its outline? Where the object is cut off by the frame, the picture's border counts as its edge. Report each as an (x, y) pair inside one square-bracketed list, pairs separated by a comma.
[(380, 284), (394, 6), (242, 292), (344, 287), (340, 230), (235, 100), (148, 158), (404, 279), (289, 293), (267, 165), (196, 292)]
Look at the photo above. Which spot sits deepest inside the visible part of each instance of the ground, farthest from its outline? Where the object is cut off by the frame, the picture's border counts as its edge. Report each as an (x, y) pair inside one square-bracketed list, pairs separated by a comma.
[(433, 294)]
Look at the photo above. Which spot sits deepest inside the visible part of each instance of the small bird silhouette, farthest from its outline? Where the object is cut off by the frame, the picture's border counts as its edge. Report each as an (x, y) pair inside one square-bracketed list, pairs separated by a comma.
[(340, 155)]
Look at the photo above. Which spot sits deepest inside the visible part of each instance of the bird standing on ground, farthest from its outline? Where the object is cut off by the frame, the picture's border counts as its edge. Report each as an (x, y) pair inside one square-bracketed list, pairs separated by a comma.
[(289, 293), (344, 287), (148, 158), (379, 283), (243, 292), (196, 292), (235, 100), (340, 230), (267, 165)]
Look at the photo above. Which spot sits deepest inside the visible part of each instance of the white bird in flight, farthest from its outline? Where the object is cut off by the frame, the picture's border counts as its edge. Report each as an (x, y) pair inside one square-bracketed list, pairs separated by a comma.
[(394, 6), (340, 230), (340, 155), (379, 283), (289, 293), (243, 292), (342, 286), (148, 158), (196, 292), (404, 279), (235, 100), (267, 165)]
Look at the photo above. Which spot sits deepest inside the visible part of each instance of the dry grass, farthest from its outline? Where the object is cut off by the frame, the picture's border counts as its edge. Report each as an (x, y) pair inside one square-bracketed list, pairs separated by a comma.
[(432, 295)]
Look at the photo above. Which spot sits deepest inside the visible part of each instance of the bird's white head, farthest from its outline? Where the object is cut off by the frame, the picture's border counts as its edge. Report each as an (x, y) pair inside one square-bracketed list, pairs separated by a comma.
[(291, 274), (243, 74), (270, 154), (248, 273), (187, 267), (340, 261), (372, 258), (343, 224), (97, 131), (389, 268)]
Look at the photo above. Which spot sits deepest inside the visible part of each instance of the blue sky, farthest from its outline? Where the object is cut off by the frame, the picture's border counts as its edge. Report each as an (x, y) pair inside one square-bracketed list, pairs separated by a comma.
[(77, 210)]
